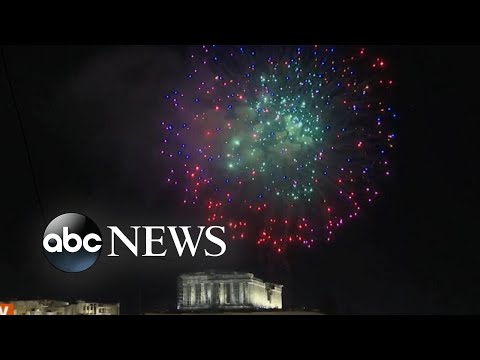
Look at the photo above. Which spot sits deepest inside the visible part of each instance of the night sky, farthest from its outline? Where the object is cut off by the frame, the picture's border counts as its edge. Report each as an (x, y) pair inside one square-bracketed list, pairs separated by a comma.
[(91, 120)]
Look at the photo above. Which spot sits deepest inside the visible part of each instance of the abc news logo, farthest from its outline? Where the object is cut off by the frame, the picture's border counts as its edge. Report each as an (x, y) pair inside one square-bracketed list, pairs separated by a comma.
[(54, 243), (73, 242)]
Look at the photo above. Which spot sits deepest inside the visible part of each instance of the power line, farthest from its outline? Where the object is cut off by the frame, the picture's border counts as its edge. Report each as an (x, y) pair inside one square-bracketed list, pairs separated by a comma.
[(24, 137)]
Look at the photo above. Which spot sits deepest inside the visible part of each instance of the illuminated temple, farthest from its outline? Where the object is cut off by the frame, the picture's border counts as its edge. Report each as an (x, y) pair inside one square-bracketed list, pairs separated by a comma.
[(211, 290)]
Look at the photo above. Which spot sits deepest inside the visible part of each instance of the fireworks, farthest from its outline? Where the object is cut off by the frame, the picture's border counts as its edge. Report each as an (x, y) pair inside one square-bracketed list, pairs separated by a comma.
[(280, 144)]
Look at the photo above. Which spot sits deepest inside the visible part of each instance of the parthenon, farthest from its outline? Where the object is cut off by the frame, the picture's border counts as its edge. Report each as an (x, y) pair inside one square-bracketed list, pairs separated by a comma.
[(205, 290)]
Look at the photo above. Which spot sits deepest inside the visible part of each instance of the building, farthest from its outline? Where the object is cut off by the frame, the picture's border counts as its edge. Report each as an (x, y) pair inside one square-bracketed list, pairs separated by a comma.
[(53, 307), (39, 307), (210, 290), (93, 308)]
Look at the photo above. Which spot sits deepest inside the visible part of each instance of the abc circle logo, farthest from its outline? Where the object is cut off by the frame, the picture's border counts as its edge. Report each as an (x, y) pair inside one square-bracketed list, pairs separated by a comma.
[(72, 242)]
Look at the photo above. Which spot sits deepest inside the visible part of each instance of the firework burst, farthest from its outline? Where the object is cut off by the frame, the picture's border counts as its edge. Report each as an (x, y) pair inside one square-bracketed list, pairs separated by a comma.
[(280, 144)]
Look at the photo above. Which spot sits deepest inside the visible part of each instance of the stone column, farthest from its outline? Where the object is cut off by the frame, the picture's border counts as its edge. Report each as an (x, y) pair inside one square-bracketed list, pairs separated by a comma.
[(184, 295), (222, 294), (233, 299), (203, 295), (246, 293), (214, 293), (208, 293), (192, 294), (240, 291)]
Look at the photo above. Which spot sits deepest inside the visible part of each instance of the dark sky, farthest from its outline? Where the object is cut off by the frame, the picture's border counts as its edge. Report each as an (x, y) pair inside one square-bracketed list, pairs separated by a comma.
[(91, 116)]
